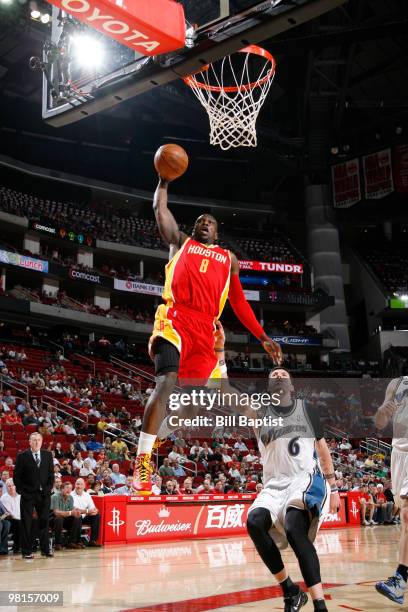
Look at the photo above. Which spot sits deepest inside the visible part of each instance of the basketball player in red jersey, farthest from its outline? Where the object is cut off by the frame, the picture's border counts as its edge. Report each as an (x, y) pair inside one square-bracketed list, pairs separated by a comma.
[(199, 277)]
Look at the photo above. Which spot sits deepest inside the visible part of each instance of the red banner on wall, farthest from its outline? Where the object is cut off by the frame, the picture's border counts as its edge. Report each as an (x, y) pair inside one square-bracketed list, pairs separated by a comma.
[(172, 521), (150, 28), (271, 266), (377, 170), (401, 168), (339, 519), (346, 183)]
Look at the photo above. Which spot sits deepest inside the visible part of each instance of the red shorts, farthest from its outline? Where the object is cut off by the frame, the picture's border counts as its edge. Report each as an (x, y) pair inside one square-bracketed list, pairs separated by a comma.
[(192, 333)]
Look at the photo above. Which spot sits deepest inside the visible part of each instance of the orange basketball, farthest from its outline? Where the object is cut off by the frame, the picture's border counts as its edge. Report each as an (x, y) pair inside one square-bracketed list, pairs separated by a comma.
[(170, 161)]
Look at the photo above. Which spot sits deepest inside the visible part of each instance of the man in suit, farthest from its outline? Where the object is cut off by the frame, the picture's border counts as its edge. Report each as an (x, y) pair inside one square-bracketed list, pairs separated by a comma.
[(34, 479)]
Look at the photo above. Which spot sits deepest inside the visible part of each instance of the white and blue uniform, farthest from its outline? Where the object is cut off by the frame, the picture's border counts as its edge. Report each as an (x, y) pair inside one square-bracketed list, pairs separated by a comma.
[(291, 472), (399, 455)]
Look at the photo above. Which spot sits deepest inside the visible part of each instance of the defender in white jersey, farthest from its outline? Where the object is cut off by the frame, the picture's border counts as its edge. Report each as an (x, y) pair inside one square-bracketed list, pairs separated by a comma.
[(395, 409), (299, 485)]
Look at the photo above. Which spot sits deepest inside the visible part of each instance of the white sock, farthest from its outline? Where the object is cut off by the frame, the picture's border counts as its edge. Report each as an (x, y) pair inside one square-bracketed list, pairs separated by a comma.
[(146, 442)]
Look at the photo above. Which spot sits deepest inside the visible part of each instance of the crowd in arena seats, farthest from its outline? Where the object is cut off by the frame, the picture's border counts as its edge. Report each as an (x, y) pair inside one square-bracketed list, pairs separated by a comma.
[(390, 264), (102, 221), (92, 428)]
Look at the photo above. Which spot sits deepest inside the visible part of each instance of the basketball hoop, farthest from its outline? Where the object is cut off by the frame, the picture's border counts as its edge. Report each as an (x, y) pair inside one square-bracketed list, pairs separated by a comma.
[(231, 96)]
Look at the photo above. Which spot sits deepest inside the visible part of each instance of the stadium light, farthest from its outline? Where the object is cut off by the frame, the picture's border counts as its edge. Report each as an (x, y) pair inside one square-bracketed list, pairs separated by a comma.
[(45, 18), (35, 14), (6, 1), (88, 51)]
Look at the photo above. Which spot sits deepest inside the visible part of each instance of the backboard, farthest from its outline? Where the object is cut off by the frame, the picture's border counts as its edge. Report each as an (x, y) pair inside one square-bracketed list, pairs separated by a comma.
[(214, 28)]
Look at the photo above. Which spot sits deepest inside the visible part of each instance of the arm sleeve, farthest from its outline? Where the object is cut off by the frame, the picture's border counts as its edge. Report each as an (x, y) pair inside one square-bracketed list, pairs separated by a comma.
[(314, 418), (241, 307)]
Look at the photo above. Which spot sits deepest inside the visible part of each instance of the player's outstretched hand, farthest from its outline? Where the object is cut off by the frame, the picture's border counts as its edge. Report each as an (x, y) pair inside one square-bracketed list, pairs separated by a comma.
[(219, 335), (334, 503), (274, 350)]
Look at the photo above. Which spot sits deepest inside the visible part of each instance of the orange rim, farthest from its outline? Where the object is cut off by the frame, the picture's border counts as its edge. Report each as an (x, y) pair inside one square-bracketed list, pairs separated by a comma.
[(191, 80)]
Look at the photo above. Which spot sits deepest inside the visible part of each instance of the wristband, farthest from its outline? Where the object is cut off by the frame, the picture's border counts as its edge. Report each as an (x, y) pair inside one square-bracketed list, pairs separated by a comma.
[(219, 350), (328, 476), (334, 490)]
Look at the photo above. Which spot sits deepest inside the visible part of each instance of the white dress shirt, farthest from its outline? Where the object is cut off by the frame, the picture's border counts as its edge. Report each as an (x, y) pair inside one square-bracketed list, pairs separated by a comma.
[(12, 504), (83, 501)]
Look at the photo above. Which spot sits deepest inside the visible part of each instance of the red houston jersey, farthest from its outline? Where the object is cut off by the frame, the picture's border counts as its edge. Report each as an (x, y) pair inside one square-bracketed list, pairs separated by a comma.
[(198, 277)]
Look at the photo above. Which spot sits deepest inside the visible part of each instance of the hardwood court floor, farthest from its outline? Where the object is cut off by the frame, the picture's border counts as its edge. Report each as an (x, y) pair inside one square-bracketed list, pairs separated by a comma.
[(192, 576)]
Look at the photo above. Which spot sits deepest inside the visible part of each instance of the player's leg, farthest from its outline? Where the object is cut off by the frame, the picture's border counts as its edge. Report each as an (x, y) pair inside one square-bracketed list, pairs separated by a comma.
[(363, 510), (259, 522), (297, 525), (167, 360), (395, 586)]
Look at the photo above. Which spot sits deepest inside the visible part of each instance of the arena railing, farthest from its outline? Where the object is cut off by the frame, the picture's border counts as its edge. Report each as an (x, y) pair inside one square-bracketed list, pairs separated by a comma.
[(17, 386), (334, 432), (61, 407), (87, 359)]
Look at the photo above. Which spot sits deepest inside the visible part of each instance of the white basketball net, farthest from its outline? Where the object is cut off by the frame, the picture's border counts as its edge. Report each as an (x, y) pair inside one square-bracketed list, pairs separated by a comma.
[(233, 114)]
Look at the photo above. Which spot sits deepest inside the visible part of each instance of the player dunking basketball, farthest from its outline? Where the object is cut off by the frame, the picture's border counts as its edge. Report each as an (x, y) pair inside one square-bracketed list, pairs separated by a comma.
[(299, 485), (395, 408), (200, 276)]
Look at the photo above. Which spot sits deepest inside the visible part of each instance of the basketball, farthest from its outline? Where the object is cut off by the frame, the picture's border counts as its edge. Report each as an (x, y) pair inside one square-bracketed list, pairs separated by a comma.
[(170, 161)]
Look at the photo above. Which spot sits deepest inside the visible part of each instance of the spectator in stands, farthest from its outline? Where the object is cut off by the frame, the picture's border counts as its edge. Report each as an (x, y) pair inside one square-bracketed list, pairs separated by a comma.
[(59, 453), (345, 445), (80, 444), (4, 407), (8, 466), (126, 489), (226, 458), (5, 475), (259, 487), (96, 489), (92, 444), (234, 471), (69, 428), (9, 399), (57, 484), (367, 506), (89, 512), (21, 406), (177, 453), (116, 477), (92, 460), (102, 424), (178, 470), (12, 418), (66, 468), (4, 530), (107, 485), (251, 483), (187, 488), (166, 470), (236, 487), (157, 484), (380, 504), (120, 447), (11, 501), (240, 445), (170, 488), (391, 516), (78, 462), (66, 517), (86, 469)]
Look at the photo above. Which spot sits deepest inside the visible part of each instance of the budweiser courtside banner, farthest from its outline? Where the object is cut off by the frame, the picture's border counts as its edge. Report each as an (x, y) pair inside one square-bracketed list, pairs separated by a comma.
[(377, 171), (346, 183)]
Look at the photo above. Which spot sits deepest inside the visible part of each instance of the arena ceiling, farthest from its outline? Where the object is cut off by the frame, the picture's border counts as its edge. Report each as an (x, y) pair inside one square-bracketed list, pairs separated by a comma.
[(341, 82)]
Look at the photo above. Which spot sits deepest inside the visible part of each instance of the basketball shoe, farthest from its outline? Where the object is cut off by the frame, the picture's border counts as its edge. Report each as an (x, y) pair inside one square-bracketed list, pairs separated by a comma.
[(293, 603), (393, 588), (141, 475)]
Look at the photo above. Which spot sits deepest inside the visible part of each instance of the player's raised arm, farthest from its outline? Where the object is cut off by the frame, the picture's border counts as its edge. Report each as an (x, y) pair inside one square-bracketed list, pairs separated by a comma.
[(388, 407), (168, 228), (246, 315)]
